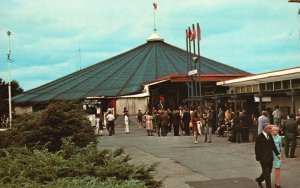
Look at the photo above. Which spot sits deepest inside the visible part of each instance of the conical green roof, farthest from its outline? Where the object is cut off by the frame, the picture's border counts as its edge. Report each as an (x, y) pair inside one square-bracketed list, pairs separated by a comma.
[(123, 74)]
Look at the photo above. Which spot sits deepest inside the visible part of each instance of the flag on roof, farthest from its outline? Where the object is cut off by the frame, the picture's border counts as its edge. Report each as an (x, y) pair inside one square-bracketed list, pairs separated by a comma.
[(198, 32), (187, 34), (193, 34), (154, 6)]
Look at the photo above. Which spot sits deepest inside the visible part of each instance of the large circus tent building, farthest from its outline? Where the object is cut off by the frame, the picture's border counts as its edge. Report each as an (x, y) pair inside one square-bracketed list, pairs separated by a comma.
[(136, 79)]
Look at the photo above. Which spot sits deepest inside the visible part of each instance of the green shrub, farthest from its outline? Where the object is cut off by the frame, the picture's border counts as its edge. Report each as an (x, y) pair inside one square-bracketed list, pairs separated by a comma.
[(72, 167), (59, 120)]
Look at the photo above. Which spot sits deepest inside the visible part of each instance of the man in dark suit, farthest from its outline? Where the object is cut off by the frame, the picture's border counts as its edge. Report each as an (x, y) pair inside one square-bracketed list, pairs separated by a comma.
[(264, 147), (290, 130), (186, 118)]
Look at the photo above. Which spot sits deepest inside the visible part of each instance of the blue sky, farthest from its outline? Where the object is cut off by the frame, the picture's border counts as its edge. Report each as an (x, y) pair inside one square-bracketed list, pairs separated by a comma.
[(53, 38)]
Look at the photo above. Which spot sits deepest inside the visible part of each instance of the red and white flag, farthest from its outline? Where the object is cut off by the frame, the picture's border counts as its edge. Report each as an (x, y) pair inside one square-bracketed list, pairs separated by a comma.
[(198, 32), (193, 34), (154, 6), (187, 34)]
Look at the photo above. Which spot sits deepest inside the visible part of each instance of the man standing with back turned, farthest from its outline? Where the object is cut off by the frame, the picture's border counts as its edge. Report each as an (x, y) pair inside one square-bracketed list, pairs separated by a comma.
[(290, 130), (264, 147), (277, 116), (262, 121)]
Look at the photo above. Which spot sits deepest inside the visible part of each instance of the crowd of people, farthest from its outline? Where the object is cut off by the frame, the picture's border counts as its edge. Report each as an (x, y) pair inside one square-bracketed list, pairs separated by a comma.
[(269, 133), (202, 120), (182, 121), (185, 121)]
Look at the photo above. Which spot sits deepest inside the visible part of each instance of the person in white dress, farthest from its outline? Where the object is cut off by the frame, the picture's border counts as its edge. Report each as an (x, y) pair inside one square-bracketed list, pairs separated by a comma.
[(126, 122), (97, 125)]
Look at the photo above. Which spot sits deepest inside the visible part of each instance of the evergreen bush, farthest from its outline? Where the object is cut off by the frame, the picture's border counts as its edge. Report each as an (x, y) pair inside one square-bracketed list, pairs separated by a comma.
[(59, 120), (72, 167)]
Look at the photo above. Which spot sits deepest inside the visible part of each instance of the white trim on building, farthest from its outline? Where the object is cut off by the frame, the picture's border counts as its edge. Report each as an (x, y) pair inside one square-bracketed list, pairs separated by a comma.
[(285, 74)]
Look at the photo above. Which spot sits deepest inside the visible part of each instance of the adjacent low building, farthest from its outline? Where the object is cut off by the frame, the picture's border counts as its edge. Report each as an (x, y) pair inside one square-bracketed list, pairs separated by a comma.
[(264, 91)]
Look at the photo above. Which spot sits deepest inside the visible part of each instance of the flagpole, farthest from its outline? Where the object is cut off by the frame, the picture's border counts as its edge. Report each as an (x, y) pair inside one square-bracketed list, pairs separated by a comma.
[(9, 78), (154, 21), (198, 43), (154, 9), (187, 38), (191, 66), (195, 64)]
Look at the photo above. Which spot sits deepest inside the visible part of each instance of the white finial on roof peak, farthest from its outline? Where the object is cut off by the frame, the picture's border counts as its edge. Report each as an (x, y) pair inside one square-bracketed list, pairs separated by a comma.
[(154, 37)]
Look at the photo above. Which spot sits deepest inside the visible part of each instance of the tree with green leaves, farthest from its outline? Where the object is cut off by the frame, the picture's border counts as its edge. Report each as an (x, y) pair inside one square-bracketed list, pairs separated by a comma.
[(15, 90), (49, 126)]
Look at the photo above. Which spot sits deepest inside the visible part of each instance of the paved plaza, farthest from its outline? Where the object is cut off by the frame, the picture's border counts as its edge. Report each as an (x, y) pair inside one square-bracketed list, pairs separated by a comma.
[(181, 163)]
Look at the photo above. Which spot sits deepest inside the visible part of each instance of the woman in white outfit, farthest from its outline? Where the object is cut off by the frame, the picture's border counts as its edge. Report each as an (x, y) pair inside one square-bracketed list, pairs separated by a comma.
[(126, 121), (97, 125)]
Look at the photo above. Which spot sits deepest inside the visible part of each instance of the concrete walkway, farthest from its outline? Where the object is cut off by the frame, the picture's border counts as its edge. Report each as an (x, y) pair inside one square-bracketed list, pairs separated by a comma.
[(181, 163)]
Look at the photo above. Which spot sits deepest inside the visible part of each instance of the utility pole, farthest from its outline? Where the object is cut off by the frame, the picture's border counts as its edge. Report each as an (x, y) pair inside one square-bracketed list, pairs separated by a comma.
[(9, 79)]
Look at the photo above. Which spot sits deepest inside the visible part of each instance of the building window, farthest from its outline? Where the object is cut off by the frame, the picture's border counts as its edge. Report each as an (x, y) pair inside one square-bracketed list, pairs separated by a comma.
[(250, 89), (255, 88), (270, 86), (296, 83), (262, 87), (286, 84), (277, 85), (237, 90), (243, 88)]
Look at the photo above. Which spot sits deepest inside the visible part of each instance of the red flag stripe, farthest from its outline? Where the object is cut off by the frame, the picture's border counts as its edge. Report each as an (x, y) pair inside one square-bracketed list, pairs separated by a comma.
[(187, 34), (193, 33), (154, 6), (190, 33), (198, 32)]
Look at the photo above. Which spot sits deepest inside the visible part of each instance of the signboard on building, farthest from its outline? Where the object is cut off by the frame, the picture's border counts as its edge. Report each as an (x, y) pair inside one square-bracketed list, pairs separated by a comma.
[(192, 72), (264, 99), (237, 100)]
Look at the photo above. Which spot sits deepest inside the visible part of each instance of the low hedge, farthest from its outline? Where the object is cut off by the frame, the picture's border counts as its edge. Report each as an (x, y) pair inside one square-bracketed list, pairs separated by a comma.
[(72, 167)]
